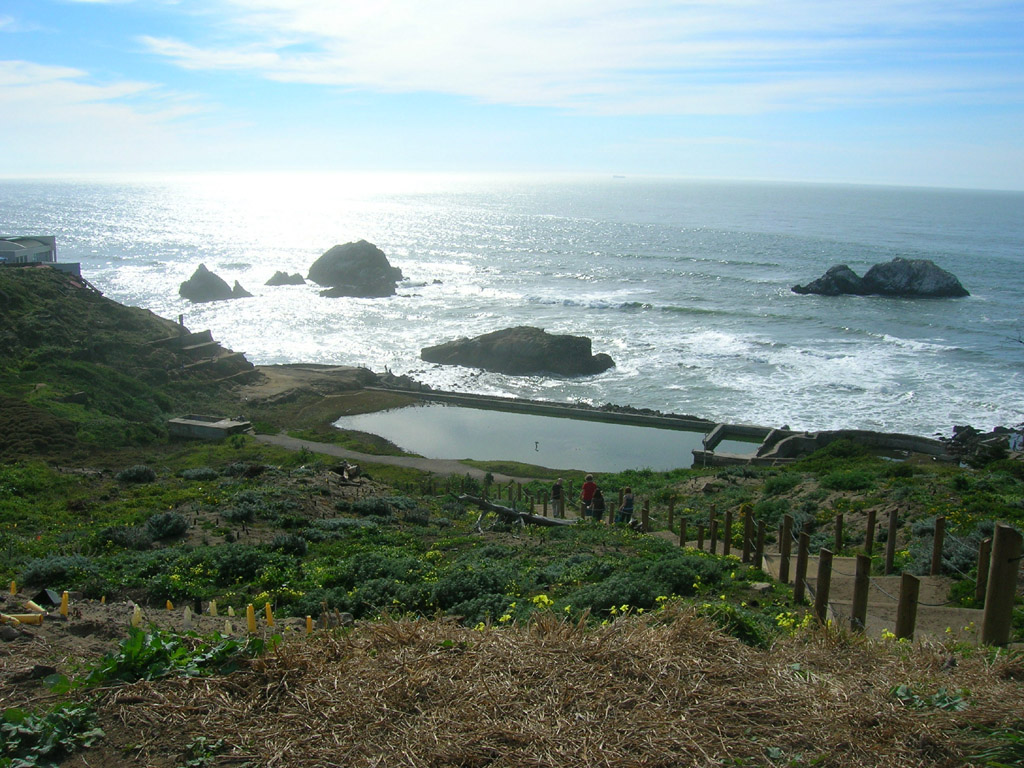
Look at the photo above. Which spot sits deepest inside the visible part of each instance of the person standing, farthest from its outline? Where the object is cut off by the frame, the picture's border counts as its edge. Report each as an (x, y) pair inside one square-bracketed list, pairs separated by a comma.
[(556, 499), (597, 505), (587, 494), (625, 513)]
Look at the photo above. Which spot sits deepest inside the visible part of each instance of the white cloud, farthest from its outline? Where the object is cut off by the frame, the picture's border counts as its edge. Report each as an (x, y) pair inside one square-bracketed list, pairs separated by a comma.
[(61, 118), (608, 56)]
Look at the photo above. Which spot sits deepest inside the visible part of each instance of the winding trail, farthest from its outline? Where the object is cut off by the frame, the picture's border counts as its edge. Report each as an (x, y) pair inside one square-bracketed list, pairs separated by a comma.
[(437, 466)]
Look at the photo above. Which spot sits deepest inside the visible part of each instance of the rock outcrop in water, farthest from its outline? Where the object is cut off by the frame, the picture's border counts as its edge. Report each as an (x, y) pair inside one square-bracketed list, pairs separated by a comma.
[(205, 286), (283, 278), (522, 351), (355, 269), (905, 278)]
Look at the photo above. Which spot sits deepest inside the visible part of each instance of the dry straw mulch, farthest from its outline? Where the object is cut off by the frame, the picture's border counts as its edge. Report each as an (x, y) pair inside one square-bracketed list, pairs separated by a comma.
[(666, 689)]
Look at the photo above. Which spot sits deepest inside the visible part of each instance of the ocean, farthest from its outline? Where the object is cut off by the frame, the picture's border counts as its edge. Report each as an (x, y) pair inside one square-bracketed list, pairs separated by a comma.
[(686, 284)]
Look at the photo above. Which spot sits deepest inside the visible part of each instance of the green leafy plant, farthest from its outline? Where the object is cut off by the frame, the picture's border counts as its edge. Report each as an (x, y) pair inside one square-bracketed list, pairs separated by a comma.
[(941, 699), (28, 740), (153, 653)]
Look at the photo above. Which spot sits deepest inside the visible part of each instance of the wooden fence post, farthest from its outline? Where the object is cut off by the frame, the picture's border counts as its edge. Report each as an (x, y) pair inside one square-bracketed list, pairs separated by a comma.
[(869, 533), (671, 513), (801, 567), (823, 585), (727, 534), (861, 585), (700, 536), (714, 536), (682, 531), (759, 548), (839, 533), (545, 509), (937, 542), (645, 516), (1002, 586), (984, 560), (748, 532), (890, 542), (906, 610), (785, 547)]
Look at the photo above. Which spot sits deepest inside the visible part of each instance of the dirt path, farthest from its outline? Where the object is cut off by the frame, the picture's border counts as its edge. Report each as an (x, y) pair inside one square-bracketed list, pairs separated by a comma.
[(437, 466)]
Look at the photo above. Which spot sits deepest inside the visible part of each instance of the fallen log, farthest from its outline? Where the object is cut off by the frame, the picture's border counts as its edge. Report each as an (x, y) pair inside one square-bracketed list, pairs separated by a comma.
[(509, 515)]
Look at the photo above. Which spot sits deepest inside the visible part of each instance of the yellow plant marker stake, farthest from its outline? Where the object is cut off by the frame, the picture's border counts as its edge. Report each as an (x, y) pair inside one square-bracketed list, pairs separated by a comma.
[(213, 608), (250, 618), (137, 617), (228, 629), (170, 606), (309, 625), (231, 611), (103, 600), (14, 588), (64, 605), (270, 615), (34, 607)]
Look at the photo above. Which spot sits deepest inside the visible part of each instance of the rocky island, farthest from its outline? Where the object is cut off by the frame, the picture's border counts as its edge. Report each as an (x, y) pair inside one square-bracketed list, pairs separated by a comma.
[(358, 270), (905, 278), (522, 351)]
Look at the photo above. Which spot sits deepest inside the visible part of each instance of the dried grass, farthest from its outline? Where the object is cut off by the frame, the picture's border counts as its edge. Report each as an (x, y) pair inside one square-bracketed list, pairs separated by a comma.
[(660, 690)]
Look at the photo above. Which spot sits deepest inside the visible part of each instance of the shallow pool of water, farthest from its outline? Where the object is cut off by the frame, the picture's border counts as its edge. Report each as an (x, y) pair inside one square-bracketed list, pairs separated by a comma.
[(440, 431)]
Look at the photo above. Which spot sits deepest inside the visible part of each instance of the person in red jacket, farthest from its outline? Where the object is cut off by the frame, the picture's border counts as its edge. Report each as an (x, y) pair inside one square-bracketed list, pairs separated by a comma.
[(587, 494)]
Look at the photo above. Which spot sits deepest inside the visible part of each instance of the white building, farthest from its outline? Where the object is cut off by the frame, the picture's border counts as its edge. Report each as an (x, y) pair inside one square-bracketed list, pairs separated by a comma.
[(27, 250), (37, 249)]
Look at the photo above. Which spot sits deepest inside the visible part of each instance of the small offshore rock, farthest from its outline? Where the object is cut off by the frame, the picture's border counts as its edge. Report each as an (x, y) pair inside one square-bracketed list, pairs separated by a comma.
[(238, 292), (283, 278), (205, 286)]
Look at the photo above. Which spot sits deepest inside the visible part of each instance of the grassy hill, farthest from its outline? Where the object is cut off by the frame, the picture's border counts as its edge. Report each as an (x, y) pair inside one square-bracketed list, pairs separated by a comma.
[(77, 369), (473, 646)]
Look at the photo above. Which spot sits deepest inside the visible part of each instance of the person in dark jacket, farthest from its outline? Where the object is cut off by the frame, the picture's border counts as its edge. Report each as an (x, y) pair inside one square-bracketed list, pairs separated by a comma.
[(597, 505), (625, 513)]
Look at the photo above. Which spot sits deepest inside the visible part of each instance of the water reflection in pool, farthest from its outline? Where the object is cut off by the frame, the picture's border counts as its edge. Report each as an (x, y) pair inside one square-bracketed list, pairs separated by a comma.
[(440, 431)]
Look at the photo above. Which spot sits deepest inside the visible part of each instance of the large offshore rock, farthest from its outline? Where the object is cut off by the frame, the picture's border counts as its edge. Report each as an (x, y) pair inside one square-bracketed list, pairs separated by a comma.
[(523, 350), (355, 269), (204, 285), (913, 277), (906, 278)]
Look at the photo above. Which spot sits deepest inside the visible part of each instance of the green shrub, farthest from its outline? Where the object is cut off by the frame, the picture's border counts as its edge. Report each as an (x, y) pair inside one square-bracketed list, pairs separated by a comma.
[(200, 473), (849, 480), (58, 571), (136, 537), (167, 525), (780, 483), (747, 626), (459, 586), (898, 469), (771, 511), (290, 544), (138, 473)]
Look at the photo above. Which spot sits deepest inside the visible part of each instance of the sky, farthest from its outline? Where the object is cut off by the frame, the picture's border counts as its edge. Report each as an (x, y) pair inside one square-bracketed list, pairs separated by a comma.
[(898, 92)]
